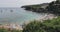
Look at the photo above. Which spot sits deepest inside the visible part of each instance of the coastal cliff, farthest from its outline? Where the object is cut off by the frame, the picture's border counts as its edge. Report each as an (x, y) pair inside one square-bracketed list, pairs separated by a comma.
[(36, 8), (52, 7)]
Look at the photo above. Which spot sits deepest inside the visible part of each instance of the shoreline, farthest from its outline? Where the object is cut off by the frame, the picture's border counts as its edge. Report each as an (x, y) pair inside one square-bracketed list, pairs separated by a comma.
[(20, 26), (45, 17)]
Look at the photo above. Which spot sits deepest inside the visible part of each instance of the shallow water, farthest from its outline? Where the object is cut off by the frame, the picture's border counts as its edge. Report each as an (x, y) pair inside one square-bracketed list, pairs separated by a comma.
[(16, 15)]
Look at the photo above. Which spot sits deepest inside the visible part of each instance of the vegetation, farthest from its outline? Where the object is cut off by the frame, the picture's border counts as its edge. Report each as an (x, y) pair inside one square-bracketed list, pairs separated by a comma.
[(36, 8), (46, 26), (54, 7), (38, 26), (8, 30)]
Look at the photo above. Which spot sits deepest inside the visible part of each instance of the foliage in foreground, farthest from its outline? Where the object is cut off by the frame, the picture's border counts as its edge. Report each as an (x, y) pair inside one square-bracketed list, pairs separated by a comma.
[(8, 30), (46, 26)]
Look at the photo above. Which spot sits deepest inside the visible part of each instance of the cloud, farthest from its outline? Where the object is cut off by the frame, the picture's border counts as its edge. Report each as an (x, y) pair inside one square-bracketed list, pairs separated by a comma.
[(8, 3), (18, 3), (29, 2)]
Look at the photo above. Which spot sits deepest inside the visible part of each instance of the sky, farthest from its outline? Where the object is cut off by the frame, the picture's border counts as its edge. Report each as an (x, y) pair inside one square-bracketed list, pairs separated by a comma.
[(18, 3)]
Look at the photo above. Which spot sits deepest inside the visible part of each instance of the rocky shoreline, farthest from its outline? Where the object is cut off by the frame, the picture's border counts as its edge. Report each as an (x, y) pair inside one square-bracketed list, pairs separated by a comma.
[(39, 9), (42, 8), (45, 17), (52, 7), (11, 26), (20, 27)]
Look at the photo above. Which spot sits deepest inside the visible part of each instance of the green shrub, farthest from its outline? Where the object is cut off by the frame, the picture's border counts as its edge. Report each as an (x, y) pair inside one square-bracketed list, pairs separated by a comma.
[(6, 30), (46, 26)]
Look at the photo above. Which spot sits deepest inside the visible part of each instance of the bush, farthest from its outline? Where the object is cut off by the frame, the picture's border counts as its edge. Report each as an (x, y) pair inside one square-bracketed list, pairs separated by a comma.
[(7, 30), (46, 26)]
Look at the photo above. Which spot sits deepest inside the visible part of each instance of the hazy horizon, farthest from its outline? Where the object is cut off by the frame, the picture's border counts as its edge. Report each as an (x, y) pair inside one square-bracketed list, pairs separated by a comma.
[(18, 3)]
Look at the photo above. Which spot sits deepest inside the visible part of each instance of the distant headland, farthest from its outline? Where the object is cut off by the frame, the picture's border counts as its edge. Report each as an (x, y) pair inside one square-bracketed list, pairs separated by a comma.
[(52, 7)]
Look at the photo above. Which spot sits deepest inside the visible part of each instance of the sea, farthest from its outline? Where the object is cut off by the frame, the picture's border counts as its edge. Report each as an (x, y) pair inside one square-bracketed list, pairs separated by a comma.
[(17, 15)]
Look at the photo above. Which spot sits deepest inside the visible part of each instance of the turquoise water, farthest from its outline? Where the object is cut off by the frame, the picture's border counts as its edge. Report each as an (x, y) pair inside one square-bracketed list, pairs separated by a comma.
[(16, 15)]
